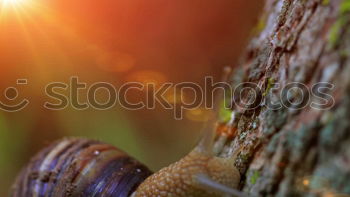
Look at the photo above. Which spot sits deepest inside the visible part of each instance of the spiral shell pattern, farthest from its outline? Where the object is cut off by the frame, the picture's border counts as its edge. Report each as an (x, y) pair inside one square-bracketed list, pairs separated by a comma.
[(80, 167)]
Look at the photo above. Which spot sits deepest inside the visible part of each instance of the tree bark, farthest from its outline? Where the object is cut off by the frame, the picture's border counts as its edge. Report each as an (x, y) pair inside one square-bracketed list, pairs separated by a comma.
[(289, 152)]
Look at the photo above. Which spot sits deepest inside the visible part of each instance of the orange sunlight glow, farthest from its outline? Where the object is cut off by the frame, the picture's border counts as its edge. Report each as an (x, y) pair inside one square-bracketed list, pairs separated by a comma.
[(12, 2), (9, 7), (28, 38)]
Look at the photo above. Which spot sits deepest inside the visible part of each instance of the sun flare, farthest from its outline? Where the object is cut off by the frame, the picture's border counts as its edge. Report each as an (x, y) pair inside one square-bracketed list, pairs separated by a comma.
[(12, 2)]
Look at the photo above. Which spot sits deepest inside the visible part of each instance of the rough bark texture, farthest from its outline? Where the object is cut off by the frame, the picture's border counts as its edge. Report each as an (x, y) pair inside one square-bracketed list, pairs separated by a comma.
[(297, 152)]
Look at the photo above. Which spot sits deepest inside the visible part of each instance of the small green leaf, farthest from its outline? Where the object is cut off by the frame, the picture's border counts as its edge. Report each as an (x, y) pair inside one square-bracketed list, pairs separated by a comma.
[(345, 7), (335, 31), (254, 177), (325, 2), (269, 85), (225, 114)]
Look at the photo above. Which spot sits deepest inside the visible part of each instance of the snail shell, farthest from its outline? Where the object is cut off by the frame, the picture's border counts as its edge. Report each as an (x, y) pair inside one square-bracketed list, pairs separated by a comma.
[(80, 167)]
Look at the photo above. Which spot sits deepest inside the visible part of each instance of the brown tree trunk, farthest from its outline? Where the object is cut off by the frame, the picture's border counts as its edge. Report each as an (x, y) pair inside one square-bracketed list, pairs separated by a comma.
[(289, 152)]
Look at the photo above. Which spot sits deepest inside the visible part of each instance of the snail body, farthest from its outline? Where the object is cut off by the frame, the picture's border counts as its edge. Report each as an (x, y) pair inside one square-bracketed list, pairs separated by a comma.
[(82, 167), (183, 178)]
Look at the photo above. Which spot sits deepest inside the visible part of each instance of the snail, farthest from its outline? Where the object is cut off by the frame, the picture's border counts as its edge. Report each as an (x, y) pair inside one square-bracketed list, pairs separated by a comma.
[(78, 167)]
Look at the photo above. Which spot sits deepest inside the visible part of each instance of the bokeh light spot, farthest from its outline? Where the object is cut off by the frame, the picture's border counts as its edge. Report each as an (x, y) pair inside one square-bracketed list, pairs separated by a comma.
[(199, 114), (115, 61), (147, 77), (306, 182)]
